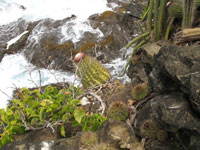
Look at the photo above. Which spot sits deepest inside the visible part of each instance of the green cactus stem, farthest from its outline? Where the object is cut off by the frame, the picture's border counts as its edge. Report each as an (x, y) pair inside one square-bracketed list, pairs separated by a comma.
[(162, 17), (150, 14), (156, 7), (91, 72), (137, 39), (189, 11), (169, 28)]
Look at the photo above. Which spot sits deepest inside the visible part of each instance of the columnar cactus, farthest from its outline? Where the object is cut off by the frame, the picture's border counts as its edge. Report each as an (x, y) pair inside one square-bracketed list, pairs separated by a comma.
[(90, 71)]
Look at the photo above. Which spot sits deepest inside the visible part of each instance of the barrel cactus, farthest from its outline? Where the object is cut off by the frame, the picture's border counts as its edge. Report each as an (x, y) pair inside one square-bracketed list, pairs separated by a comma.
[(118, 111), (175, 9), (140, 91), (88, 140), (90, 71), (149, 129)]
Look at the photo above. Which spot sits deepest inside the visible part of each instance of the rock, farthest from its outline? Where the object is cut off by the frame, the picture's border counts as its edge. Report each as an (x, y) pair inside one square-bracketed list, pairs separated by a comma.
[(3, 45), (174, 111), (174, 114), (140, 66), (118, 28), (46, 46), (117, 133), (151, 131), (177, 68), (12, 30), (111, 135)]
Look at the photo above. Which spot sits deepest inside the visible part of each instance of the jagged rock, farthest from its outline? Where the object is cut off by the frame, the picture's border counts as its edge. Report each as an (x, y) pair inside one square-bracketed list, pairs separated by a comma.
[(140, 66), (176, 116), (173, 73), (116, 133), (13, 29), (113, 134), (3, 45), (118, 28), (174, 110), (178, 68), (148, 113)]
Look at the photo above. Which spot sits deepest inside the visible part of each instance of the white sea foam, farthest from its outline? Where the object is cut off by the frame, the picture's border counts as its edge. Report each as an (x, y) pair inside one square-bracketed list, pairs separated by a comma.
[(16, 71), (11, 10), (15, 39), (74, 30)]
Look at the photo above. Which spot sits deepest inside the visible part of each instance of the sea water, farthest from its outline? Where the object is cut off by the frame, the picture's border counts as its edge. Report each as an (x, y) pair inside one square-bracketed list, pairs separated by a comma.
[(15, 70)]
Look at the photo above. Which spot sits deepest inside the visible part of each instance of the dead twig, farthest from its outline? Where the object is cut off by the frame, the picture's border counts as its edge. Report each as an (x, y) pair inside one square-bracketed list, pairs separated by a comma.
[(5, 94), (103, 106), (33, 81), (133, 109)]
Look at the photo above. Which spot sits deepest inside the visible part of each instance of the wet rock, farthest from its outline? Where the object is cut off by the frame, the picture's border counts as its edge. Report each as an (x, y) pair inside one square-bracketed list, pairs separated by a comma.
[(20, 43), (44, 47), (3, 45), (118, 28), (47, 46), (12, 30)]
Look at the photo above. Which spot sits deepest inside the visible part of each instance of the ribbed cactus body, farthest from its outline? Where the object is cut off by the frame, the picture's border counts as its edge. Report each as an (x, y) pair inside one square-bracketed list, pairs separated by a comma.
[(176, 10), (91, 72)]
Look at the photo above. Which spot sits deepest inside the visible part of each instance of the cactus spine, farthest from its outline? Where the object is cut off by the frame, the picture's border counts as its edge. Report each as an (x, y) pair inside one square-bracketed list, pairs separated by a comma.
[(91, 72)]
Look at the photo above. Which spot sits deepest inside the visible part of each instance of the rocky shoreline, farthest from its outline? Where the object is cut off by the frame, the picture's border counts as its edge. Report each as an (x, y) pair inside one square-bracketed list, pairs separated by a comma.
[(165, 117)]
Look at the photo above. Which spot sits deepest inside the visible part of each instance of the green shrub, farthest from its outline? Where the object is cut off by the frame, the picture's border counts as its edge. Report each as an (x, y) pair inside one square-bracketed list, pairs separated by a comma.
[(36, 110)]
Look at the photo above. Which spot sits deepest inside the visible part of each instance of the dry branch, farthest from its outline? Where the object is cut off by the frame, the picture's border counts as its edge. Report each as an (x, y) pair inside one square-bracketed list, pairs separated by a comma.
[(190, 34)]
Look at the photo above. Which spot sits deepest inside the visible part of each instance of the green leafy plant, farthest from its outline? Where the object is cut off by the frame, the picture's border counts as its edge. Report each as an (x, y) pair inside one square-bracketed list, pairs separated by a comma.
[(34, 110), (89, 123)]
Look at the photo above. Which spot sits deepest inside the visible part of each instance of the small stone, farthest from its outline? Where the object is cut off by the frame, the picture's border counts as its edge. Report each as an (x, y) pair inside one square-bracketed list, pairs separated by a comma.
[(84, 101)]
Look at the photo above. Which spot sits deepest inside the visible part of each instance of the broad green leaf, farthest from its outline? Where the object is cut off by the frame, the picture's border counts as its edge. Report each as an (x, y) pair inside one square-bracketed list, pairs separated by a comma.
[(41, 115), (62, 131), (79, 114), (14, 122), (75, 102), (9, 112), (66, 116), (65, 108)]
